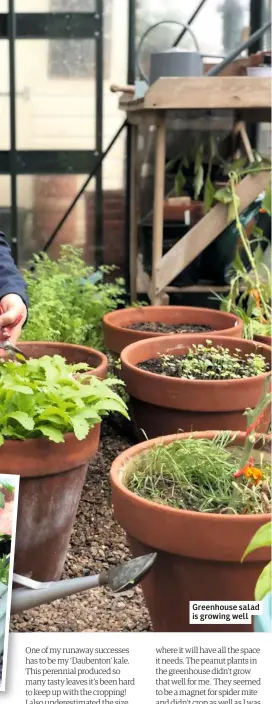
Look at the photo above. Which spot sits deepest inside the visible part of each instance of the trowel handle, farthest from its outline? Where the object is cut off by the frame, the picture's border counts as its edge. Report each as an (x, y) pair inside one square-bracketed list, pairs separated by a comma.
[(23, 599), (122, 89)]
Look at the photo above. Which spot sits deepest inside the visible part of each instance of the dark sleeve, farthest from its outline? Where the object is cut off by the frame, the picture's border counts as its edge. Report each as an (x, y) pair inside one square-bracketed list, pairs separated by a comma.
[(11, 280)]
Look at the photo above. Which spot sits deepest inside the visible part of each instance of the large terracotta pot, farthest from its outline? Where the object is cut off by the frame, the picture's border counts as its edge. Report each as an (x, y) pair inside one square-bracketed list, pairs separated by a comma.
[(199, 555), (73, 354), (117, 335), (163, 404), (264, 339), (51, 481)]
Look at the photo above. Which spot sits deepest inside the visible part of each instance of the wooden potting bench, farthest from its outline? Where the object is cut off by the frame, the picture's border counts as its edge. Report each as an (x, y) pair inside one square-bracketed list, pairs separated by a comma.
[(249, 100)]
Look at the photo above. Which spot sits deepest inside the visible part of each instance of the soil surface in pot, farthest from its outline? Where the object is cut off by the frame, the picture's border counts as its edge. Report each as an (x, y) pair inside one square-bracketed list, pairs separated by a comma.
[(97, 543), (168, 329), (204, 367)]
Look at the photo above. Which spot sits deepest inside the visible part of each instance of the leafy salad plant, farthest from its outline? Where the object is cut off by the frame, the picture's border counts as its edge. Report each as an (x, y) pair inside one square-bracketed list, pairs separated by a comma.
[(67, 299), (48, 397)]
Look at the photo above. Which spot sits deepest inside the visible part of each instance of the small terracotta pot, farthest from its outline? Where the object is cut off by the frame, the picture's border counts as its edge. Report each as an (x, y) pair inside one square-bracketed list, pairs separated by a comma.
[(117, 335), (163, 404), (51, 481), (264, 339), (73, 354), (175, 209), (199, 555)]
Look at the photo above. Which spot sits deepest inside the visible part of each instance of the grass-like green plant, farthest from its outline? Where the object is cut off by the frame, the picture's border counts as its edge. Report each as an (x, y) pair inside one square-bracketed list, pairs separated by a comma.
[(67, 299), (211, 362), (208, 475), (197, 475), (48, 397)]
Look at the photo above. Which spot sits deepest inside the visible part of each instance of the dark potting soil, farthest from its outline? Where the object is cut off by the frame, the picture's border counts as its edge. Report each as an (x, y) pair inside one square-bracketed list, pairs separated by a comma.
[(177, 367), (168, 329)]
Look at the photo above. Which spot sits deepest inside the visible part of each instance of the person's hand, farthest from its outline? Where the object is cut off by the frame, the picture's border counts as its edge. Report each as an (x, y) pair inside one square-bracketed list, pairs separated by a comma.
[(12, 318)]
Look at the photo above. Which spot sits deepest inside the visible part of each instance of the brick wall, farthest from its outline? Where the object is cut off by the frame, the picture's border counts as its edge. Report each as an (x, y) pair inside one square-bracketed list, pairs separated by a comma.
[(113, 228)]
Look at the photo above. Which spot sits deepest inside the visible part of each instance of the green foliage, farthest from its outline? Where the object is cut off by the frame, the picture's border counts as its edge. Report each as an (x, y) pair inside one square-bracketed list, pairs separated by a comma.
[(262, 539), (64, 305), (249, 296), (197, 475), (208, 362), (4, 569), (48, 397)]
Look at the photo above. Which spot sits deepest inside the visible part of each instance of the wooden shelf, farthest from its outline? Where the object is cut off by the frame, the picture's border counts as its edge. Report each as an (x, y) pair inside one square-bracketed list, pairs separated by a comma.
[(219, 93), (240, 97)]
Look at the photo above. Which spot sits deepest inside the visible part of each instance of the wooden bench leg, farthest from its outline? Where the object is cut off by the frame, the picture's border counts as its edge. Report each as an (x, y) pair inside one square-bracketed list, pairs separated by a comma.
[(159, 177), (133, 219)]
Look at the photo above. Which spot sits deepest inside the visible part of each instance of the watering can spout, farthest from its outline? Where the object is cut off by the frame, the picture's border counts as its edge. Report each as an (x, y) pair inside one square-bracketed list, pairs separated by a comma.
[(119, 579)]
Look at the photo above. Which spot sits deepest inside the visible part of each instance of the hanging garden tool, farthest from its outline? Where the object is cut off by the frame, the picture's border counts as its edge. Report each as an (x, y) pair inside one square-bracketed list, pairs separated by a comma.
[(118, 579)]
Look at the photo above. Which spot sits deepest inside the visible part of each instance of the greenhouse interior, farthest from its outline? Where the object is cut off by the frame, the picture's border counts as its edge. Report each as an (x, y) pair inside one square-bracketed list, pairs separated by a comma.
[(135, 310)]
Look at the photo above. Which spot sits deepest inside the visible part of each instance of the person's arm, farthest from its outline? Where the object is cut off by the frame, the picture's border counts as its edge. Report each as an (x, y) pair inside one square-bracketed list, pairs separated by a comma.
[(13, 297)]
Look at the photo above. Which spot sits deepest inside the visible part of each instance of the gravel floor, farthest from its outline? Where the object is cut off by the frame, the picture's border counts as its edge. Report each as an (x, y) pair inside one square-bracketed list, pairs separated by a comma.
[(96, 543)]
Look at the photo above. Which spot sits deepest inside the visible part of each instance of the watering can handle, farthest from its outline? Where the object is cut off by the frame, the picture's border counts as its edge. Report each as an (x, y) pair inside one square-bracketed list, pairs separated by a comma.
[(153, 26)]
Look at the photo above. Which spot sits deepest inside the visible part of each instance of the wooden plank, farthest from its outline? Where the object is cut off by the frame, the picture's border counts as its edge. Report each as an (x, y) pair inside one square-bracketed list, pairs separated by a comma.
[(229, 92), (133, 215), (206, 231), (159, 178)]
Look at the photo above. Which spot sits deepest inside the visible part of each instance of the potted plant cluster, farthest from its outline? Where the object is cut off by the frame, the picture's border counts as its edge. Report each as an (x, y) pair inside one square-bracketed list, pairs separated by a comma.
[(50, 416), (190, 383), (196, 499)]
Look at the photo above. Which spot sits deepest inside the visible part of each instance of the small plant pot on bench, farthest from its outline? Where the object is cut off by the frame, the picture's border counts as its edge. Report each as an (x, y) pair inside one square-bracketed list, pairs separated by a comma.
[(123, 327), (164, 404), (199, 553)]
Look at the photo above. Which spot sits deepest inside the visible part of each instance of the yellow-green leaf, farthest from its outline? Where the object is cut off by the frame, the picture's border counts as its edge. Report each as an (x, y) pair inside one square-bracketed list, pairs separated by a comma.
[(261, 539), (264, 583)]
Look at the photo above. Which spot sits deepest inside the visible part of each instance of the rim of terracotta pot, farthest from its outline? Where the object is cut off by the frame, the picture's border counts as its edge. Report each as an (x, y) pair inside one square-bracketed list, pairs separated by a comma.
[(114, 323), (171, 392), (36, 457), (72, 353), (264, 339), (159, 526)]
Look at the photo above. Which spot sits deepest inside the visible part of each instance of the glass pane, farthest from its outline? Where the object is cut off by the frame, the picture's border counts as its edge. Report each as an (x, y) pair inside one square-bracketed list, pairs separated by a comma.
[(218, 28), (5, 224), (4, 96), (4, 6), (55, 5), (42, 202), (56, 94)]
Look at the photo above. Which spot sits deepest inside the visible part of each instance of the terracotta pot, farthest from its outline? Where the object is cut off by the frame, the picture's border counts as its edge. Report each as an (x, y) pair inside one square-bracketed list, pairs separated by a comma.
[(175, 209), (163, 405), (199, 555), (51, 480), (117, 335), (264, 339), (73, 354)]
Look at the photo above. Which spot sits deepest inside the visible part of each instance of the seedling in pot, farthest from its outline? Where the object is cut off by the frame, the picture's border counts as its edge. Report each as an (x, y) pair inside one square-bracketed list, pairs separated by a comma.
[(208, 362)]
